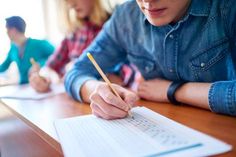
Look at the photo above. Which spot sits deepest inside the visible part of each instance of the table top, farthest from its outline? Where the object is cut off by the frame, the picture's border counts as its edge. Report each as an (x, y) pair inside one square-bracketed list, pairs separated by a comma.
[(9, 77), (41, 114), (18, 139)]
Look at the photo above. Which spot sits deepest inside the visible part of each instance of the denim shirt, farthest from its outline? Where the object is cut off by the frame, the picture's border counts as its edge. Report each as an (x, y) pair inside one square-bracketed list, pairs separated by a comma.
[(201, 47)]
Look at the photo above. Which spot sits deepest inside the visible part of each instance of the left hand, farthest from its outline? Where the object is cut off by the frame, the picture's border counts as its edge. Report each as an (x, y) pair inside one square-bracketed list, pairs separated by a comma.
[(154, 90)]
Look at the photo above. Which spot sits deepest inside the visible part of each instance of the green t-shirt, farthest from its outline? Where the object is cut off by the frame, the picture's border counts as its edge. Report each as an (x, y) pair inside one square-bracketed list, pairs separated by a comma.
[(40, 50)]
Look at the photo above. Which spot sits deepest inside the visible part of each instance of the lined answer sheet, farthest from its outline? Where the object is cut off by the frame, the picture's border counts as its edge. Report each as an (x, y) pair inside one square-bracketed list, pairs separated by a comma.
[(145, 134)]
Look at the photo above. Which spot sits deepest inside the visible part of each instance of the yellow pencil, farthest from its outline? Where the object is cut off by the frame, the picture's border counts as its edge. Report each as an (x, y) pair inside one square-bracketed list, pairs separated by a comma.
[(105, 78), (32, 61)]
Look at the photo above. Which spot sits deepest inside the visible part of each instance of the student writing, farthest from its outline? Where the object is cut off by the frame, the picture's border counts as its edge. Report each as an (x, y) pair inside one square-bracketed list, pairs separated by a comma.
[(183, 48), (23, 48)]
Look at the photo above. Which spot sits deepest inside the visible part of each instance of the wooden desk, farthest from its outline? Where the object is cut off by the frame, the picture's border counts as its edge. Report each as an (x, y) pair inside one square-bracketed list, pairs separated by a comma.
[(19, 140), (40, 115)]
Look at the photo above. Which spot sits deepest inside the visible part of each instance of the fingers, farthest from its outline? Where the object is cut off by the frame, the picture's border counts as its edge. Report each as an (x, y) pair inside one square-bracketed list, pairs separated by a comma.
[(39, 83), (128, 96), (107, 105), (154, 90), (100, 114), (142, 88), (35, 68), (111, 98), (148, 92), (101, 109)]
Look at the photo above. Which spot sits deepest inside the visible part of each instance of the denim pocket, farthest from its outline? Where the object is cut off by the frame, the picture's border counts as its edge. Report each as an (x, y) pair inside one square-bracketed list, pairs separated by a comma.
[(206, 62), (145, 65), (142, 62)]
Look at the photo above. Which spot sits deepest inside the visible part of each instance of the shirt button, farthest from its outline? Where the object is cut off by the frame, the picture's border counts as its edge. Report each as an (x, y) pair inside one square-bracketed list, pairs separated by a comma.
[(171, 36), (171, 70), (147, 69), (202, 65)]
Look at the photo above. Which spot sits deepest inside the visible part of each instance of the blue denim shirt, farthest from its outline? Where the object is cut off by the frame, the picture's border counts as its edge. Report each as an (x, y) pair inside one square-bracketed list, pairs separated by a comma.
[(201, 47)]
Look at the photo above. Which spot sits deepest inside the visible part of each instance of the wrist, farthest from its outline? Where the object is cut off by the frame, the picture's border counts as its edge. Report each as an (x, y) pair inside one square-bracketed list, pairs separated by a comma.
[(172, 90), (181, 93), (195, 94), (87, 88)]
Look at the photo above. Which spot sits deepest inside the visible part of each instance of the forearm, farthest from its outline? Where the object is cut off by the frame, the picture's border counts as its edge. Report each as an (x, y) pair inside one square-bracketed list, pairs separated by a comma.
[(5, 65), (219, 97), (195, 94)]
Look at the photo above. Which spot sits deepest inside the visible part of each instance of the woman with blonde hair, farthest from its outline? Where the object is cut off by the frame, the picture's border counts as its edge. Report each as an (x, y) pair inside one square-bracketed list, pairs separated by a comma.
[(81, 22)]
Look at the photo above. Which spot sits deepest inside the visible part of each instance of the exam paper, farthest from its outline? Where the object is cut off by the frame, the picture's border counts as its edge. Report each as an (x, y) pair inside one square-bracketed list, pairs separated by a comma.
[(28, 93), (145, 134)]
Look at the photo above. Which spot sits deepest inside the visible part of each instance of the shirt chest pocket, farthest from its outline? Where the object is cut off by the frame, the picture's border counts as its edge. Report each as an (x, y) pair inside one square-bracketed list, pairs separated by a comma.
[(208, 62), (145, 65)]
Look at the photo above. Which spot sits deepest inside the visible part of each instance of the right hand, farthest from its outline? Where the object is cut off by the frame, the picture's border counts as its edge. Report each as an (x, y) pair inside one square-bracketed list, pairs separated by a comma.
[(105, 104), (39, 83), (35, 68)]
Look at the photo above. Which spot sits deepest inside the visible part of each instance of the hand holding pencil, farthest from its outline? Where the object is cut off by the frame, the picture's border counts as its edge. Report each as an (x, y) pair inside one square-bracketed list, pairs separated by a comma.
[(35, 66), (110, 101), (38, 82)]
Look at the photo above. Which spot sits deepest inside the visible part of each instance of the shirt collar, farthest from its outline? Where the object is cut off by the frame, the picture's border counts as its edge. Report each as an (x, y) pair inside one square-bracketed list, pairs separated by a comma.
[(199, 7), (196, 8)]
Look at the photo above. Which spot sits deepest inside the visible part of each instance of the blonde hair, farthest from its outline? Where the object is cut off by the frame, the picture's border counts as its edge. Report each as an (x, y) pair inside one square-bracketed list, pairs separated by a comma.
[(68, 21)]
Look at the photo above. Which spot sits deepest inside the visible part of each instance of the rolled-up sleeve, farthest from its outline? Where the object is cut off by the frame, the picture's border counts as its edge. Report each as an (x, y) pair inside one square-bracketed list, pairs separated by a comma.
[(222, 94), (222, 97), (77, 82)]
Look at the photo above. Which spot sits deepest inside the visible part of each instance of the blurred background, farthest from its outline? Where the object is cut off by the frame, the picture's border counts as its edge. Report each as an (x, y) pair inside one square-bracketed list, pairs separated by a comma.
[(43, 22)]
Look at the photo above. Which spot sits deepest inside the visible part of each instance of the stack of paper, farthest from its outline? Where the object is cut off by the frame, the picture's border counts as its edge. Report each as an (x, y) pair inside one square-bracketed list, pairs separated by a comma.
[(145, 134)]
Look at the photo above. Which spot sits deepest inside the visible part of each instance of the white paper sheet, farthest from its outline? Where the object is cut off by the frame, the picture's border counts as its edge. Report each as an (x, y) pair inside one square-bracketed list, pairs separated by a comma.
[(146, 134), (28, 93)]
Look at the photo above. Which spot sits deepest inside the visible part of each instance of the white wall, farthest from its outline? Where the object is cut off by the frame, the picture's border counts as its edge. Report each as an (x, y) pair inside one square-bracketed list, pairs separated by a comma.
[(40, 16), (30, 10)]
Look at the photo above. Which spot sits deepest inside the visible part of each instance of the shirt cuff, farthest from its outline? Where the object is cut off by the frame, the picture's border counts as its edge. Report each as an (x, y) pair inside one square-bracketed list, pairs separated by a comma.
[(77, 84), (222, 97)]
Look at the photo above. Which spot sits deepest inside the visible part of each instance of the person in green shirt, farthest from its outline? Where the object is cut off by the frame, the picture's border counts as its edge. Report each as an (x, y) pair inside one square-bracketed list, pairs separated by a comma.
[(23, 48)]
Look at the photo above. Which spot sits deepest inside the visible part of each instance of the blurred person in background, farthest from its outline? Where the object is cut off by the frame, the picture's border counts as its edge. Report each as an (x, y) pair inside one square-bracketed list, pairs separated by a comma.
[(23, 48), (81, 21)]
